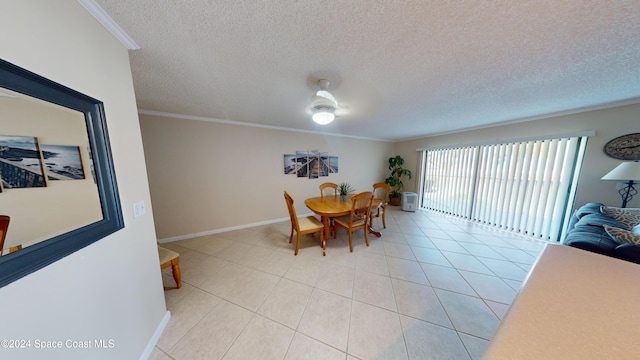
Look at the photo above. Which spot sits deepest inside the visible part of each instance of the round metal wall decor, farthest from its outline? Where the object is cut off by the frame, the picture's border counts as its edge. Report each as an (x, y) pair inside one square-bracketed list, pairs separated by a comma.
[(625, 147)]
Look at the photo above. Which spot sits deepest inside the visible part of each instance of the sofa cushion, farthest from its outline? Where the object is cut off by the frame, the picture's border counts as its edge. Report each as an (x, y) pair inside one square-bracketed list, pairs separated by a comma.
[(588, 208), (598, 220), (628, 217), (628, 252), (590, 241), (623, 236)]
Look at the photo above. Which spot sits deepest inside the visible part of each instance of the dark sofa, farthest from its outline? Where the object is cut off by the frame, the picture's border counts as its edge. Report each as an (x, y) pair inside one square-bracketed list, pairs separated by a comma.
[(586, 232)]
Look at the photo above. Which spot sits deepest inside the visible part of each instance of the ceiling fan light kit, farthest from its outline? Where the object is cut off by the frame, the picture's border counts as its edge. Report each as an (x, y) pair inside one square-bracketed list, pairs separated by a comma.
[(323, 117), (323, 104)]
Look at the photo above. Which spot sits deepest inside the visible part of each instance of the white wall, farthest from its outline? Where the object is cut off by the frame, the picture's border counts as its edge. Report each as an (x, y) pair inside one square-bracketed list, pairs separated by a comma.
[(111, 289), (607, 123), (206, 177)]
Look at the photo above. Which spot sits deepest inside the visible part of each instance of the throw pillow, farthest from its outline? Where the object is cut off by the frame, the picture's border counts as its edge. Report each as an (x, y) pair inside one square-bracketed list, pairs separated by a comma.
[(623, 236), (629, 217)]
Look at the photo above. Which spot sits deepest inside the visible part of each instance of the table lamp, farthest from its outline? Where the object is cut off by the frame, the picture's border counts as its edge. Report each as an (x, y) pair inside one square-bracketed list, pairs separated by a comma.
[(627, 172)]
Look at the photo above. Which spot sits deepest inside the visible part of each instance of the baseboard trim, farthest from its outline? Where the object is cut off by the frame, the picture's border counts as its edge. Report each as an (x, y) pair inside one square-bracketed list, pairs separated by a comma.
[(218, 231), (156, 336)]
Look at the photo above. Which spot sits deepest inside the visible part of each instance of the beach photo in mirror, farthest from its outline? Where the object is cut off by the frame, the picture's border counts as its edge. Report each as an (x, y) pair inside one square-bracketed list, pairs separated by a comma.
[(20, 162), (62, 162)]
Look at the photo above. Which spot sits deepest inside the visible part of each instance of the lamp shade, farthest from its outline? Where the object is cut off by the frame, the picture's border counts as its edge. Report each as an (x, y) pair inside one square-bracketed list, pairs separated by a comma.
[(624, 172), (323, 117)]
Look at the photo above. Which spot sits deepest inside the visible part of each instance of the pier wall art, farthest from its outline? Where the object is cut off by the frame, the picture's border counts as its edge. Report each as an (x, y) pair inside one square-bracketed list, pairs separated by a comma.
[(310, 164), (25, 163)]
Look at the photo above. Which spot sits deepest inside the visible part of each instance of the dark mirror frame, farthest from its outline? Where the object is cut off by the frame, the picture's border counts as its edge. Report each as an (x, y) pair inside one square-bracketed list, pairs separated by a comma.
[(15, 265)]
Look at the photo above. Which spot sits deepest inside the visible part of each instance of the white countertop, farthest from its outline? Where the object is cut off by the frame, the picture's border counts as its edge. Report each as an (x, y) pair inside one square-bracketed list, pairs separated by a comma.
[(574, 304)]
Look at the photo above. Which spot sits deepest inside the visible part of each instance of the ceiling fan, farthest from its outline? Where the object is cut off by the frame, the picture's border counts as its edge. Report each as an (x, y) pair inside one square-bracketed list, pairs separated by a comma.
[(324, 106)]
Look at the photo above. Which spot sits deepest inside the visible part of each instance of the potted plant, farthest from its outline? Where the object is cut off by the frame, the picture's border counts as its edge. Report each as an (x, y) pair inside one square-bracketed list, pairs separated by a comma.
[(344, 189), (395, 178)]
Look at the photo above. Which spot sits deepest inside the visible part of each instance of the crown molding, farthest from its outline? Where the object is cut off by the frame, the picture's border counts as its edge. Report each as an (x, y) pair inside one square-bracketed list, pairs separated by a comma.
[(247, 124), (98, 12)]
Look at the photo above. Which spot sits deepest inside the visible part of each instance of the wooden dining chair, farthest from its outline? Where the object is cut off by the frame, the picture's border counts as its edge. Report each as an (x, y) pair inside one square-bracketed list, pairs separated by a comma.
[(4, 226), (170, 258), (380, 191), (328, 188), (305, 225), (357, 218)]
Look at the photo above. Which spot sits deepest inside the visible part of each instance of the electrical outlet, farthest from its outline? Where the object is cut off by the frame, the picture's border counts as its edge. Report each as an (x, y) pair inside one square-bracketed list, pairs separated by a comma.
[(138, 209)]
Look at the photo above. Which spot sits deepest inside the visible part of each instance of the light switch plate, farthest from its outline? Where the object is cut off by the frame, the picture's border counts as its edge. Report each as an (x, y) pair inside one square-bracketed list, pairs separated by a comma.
[(138, 209)]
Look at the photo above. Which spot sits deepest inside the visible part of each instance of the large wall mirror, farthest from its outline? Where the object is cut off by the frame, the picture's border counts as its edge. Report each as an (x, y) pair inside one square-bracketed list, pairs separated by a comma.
[(57, 179)]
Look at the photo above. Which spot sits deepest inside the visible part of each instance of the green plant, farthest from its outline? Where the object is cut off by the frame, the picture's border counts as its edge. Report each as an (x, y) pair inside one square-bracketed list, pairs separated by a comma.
[(345, 188), (395, 176)]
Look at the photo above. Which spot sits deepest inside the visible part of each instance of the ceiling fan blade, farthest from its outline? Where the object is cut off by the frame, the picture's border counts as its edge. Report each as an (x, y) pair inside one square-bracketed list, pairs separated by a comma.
[(327, 95)]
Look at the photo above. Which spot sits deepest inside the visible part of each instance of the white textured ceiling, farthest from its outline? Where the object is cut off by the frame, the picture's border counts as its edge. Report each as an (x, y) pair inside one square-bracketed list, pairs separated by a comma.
[(404, 69)]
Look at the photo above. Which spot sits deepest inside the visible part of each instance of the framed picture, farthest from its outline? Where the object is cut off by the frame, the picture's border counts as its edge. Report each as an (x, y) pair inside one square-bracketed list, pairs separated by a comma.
[(314, 164), (333, 164), (289, 164), (62, 162), (302, 159), (20, 162), (310, 164), (324, 163)]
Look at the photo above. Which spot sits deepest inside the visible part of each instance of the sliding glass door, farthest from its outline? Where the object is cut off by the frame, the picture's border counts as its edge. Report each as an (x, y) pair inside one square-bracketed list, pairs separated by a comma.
[(520, 186)]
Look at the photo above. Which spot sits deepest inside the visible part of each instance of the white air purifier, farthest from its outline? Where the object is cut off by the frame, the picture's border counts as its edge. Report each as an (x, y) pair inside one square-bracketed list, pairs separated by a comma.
[(409, 201)]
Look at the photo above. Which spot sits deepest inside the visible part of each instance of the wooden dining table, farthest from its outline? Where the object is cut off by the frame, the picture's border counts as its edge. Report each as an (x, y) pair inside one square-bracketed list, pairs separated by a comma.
[(331, 206)]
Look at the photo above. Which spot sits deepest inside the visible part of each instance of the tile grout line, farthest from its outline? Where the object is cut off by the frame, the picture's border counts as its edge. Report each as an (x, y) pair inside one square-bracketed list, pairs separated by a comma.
[(264, 231)]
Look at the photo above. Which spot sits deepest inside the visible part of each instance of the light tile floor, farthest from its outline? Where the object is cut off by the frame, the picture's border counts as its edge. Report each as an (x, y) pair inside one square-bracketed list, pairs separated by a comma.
[(432, 287)]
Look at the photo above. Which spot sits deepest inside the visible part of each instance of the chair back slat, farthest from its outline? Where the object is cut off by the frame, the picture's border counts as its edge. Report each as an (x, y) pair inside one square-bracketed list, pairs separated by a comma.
[(292, 210), (358, 217), (381, 191), (361, 206), (328, 188)]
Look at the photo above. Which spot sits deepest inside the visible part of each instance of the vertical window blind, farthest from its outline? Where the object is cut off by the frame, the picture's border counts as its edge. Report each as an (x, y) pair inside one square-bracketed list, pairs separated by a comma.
[(522, 186)]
